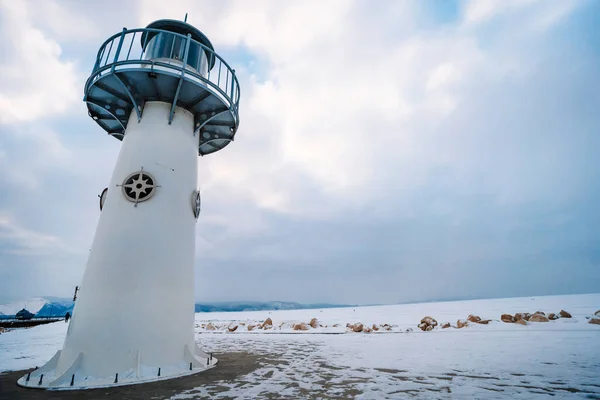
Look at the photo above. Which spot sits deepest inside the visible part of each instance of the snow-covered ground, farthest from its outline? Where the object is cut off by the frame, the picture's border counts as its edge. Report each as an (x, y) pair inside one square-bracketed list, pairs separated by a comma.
[(499, 360)]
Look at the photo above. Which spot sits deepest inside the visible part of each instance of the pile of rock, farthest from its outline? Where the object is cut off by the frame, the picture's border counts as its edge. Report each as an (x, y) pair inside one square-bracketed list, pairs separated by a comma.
[(538, 316), (301, 327), (427, 324), (358, 327)]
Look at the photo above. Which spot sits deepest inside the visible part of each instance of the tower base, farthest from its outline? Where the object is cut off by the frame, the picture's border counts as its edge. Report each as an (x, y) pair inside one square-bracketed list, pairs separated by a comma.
[(73, 379)]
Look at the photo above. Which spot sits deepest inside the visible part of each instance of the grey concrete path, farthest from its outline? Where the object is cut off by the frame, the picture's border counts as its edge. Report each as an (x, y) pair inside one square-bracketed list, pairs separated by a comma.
[(230, 367)]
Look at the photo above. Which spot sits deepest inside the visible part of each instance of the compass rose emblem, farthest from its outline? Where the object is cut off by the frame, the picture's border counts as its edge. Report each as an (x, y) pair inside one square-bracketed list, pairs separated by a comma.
[(138, 187)]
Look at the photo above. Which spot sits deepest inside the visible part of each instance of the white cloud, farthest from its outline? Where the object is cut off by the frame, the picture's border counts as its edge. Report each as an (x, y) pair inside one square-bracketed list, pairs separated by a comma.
[(25, 241), (36, 82)]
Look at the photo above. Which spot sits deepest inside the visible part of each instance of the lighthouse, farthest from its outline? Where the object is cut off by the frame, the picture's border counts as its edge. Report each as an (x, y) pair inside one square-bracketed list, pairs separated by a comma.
[(169, 98)]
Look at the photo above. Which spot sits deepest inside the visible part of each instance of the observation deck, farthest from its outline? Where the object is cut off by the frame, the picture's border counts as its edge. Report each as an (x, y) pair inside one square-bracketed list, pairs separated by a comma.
[(168, 61)]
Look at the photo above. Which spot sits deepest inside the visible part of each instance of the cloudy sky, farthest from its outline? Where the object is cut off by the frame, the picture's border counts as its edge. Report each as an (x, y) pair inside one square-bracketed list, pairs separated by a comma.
[(388, 151)]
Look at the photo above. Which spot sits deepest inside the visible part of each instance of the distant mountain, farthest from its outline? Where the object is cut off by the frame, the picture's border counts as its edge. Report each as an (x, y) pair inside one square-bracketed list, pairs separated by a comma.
[(57, 306), (260, 306), (55, 310), (41, 307), (32, 305)]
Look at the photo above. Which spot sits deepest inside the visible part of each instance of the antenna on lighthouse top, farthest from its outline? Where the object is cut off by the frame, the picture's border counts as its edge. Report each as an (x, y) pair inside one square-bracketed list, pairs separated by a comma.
[(185, 19)]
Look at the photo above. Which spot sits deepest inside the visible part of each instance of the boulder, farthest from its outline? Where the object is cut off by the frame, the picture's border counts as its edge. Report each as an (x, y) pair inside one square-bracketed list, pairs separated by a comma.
[(552, 316), (539, 313), (564, 314), (429, 328), (422, 326), (461, 323), (429, 321), (251, 327), (509, 319), (473, 318), (484, 321), (232, 328), (538, 318), (268, 324), (375, 328), (446, 325), (301, 327), (595, 321), (357, 327), (210, 327), (314, 323), (366, 329), (521, 321), (519, 316)]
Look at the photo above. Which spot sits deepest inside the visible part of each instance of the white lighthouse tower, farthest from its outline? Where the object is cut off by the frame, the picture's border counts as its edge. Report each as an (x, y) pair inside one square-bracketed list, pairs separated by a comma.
[(166, 94)]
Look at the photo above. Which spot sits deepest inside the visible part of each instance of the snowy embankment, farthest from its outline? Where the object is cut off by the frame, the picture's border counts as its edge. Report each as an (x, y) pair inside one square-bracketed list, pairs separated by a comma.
[(579, 312), (494, 360)]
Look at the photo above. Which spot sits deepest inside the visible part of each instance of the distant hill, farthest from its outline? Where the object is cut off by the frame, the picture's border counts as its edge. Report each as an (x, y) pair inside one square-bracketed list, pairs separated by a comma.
[(58, 307), (259, 306)]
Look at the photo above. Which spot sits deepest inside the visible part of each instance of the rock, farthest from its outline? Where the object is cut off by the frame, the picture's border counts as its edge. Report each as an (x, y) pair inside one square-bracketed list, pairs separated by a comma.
[(461, 323), (521, 321), (538, 318), (348, 325), (539, 313), (357, 327), (242, 323), (429, 328), (564, 314), (375, 328), (407, 329), (526, 316), (314, 323), (509, 319), (268, 324), (519, 316), (232, 328), (597, 313), (389, 328), (552, 316), (595, 321), (422, 326), (336, 325), (473, 318), (210, 327), (301, 327), (484, 321), (251, 327), (366, 329), (446, 325), (429, 321)]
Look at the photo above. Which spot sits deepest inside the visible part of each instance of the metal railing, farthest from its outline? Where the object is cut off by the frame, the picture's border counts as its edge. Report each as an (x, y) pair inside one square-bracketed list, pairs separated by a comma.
[(130, 49)]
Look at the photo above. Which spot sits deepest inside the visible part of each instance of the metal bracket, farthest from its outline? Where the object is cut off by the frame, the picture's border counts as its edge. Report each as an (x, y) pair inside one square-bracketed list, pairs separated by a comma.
[(176, 97), (133, 102)]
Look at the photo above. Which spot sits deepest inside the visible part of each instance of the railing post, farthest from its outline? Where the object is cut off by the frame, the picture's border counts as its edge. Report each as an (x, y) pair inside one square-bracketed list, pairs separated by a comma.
[(187, 49), (232, 84), (118, 51)]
